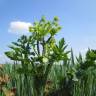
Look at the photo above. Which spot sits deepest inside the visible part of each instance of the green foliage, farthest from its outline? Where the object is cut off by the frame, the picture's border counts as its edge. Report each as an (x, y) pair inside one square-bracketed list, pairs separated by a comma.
[(41, 64), (30, 52)]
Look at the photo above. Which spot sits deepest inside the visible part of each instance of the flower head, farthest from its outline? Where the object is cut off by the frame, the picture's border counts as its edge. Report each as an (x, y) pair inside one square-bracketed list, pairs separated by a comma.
[(45, 60)]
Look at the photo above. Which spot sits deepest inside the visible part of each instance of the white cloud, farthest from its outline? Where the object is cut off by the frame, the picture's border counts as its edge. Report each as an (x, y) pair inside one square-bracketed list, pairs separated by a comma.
[(19, 27)]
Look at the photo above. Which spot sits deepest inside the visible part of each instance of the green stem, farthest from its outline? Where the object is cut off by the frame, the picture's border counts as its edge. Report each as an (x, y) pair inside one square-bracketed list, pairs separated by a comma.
[(43, 45), (38, 49)]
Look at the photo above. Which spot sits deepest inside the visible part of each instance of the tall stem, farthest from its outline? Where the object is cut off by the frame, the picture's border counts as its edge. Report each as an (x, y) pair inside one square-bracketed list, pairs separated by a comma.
[(38, 49), (43, 45)]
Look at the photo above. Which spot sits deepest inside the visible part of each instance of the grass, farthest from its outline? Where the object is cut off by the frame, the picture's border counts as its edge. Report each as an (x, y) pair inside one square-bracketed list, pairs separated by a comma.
[(84, 86)]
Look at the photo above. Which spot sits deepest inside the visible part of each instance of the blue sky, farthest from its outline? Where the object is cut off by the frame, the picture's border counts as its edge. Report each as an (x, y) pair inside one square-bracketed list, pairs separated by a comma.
[(77, 18)]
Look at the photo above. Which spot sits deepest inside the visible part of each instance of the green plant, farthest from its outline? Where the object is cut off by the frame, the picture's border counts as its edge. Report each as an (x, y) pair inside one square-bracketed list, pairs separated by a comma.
[(43, 67), (38, 52)]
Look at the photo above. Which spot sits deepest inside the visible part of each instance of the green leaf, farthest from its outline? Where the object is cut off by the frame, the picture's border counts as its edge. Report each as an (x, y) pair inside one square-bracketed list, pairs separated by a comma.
[(16, 44), (43, 19), (92, 54), (61, 43), (31, 29), (10, 54), (15, 48), (56, 18)]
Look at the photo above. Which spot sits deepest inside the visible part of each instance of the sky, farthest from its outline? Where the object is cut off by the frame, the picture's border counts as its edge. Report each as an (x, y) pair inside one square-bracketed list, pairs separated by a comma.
[(77, 18)]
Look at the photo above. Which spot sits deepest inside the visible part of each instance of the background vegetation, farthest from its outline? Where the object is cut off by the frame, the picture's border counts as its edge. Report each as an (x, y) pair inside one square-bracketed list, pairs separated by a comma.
[(43, 67)]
